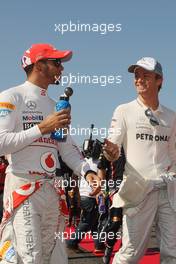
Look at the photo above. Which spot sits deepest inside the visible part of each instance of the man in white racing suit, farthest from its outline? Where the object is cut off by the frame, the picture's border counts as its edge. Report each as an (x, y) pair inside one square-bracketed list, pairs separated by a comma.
[(147, 131), (32, 225)]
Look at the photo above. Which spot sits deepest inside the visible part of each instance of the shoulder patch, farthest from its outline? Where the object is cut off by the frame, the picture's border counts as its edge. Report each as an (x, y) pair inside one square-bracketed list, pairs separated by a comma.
[(7, 105), (6, 108)]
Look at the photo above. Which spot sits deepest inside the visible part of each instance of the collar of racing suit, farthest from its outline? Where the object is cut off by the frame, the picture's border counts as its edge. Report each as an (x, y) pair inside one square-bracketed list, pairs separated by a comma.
[(159, 109)]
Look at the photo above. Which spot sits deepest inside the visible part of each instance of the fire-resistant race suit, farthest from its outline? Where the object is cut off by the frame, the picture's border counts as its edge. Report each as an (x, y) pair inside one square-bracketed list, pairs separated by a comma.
[(150, 159), (33, 218)]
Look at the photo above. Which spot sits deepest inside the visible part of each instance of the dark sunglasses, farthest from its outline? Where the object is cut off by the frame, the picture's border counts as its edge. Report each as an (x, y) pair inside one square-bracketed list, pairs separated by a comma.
[(153, 120), (56, 62)]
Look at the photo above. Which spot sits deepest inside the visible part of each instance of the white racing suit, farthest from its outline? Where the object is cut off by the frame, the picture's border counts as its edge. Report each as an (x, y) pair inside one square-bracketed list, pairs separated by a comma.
[(33, 225), (150, 153)]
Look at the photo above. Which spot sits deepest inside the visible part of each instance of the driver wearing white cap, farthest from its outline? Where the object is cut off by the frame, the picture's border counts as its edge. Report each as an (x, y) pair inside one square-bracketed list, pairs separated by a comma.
[(148, 190)]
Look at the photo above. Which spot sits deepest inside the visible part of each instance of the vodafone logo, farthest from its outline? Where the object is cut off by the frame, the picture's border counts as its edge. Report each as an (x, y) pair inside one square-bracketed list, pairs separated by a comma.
[(48, 162)]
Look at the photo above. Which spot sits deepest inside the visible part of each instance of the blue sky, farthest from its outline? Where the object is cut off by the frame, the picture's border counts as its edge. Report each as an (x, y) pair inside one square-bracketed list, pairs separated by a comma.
[(147, 29)]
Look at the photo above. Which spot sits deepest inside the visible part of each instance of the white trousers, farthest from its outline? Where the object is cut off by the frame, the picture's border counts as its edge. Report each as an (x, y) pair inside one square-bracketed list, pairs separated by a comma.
[(137, 225), (34, 227)]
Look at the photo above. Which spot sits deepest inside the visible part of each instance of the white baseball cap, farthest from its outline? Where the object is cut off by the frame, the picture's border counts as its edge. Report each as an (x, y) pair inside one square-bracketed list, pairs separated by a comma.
[(149, 64)]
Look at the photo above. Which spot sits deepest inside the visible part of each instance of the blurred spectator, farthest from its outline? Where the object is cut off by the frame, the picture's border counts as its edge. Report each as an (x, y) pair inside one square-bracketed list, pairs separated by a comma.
[(3, 166), (89, 214), (74, 203)]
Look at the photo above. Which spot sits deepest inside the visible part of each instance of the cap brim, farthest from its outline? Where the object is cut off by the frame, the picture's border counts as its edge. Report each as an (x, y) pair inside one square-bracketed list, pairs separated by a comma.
[(132, 68), (63, 55)]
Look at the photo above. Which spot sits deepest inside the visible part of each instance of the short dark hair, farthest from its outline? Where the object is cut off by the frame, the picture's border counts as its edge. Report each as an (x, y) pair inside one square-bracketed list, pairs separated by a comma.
[(28, 69)]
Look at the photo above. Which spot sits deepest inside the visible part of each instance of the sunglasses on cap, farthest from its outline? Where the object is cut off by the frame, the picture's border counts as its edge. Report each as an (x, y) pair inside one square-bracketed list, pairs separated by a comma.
[(153, 120)]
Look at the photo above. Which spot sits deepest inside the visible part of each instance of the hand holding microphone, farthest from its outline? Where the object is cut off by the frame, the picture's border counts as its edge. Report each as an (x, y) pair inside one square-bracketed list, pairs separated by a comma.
[(55, 121)]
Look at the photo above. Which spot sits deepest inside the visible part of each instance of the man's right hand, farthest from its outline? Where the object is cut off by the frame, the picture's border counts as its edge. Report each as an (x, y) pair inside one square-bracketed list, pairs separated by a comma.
[(55, 121)]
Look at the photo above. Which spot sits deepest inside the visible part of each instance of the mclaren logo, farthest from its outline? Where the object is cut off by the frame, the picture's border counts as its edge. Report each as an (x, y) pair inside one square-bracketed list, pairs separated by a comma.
[(31, 105)]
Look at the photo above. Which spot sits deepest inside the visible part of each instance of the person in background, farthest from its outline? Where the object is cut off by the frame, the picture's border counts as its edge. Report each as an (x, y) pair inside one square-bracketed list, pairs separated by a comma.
[(3, 166), (89, 213), (74, 203)]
